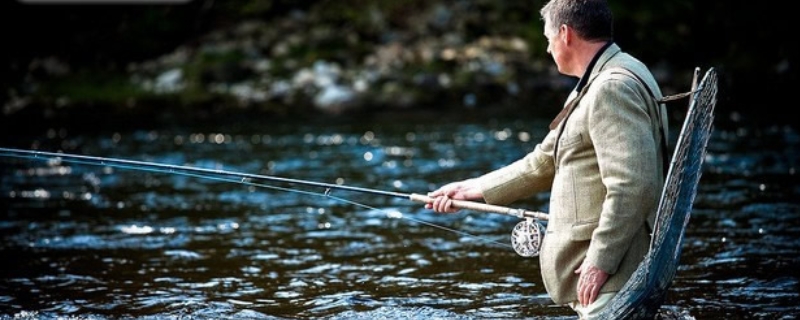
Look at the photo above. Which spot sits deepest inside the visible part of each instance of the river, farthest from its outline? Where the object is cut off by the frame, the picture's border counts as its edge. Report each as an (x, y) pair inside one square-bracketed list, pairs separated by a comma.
[(95, 242)]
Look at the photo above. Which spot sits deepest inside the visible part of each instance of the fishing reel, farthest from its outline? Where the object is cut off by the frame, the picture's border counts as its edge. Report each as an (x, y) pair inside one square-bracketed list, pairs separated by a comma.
[(526, 237)]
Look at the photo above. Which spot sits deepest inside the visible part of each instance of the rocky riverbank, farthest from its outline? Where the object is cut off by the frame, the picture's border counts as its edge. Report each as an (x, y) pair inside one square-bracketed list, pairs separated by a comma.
[(319, 60)]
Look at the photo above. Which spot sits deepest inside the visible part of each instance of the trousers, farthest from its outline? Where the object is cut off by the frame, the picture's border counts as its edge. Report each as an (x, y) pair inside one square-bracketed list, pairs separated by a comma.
[(591, 311)]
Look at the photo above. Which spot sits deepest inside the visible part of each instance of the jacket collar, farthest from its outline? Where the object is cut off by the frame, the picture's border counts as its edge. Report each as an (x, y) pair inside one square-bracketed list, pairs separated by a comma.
[(609, 50), (603, 55)]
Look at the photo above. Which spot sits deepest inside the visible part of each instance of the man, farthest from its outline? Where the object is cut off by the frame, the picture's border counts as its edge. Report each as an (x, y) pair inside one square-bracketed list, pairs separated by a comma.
[(603, 162)]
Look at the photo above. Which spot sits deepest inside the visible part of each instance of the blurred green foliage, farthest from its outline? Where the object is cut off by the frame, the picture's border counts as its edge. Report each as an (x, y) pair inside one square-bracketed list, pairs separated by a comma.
[(749, 44)]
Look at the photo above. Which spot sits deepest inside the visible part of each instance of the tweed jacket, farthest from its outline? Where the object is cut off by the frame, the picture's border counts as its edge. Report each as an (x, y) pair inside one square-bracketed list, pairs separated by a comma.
[(603, 166)]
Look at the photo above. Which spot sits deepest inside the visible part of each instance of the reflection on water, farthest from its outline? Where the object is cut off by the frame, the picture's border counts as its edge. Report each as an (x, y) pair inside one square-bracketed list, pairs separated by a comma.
[(99, 242)]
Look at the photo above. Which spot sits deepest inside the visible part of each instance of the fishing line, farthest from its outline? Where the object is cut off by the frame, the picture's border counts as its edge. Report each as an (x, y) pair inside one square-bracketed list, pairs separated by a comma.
[(327, 194), (394, 215), (220, 176)]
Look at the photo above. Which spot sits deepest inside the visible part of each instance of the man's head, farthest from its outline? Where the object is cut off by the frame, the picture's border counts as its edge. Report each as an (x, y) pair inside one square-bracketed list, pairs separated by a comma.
[(590, 19), (575, 30)]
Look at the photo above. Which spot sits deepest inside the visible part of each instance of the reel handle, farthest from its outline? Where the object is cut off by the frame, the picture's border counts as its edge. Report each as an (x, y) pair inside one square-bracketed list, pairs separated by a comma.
[(484, 207)]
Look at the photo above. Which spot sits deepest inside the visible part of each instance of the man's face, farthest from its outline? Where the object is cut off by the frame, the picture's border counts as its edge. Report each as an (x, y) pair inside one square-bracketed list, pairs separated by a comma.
[(554, 43)]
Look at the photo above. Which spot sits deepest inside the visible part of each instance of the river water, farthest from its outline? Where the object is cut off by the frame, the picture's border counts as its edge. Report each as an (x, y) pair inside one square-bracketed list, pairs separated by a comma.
[(94, 242)]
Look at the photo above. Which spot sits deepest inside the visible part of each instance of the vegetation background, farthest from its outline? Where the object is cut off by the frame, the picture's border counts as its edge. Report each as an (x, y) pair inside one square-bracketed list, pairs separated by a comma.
[(129, 64)]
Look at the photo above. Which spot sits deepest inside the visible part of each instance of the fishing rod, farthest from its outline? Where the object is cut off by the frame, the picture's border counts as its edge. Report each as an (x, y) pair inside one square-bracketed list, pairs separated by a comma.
[(132, 164), (526, 236)]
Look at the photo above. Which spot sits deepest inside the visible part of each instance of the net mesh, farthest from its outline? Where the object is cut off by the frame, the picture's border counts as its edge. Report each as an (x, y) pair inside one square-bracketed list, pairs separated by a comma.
[(643, 294)]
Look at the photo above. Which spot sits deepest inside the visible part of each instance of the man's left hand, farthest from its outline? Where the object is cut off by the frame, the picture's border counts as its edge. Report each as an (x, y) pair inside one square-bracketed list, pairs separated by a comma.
[(589, 284)]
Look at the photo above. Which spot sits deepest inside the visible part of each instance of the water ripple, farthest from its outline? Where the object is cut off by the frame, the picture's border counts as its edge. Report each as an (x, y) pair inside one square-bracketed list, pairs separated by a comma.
[(101, 243)]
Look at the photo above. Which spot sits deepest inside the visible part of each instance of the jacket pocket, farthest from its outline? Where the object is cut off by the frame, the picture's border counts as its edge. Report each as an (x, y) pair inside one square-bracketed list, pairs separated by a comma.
[(569, 140), (582, 231)]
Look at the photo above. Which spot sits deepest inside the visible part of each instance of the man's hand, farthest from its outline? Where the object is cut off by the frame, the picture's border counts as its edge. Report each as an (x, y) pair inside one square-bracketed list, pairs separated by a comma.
[(589, 284), (462, 190)]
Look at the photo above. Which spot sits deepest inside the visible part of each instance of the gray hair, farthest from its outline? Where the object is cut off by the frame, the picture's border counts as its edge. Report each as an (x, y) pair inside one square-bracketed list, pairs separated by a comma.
[(592, 20)]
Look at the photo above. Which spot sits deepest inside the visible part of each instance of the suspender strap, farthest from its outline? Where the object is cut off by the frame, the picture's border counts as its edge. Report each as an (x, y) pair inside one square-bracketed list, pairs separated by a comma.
[(664, 149), (564, 114), (567, 109)]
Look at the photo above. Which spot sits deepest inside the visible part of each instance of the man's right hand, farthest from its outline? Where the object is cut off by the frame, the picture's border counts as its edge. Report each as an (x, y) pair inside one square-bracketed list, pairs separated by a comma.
[(462, 190)]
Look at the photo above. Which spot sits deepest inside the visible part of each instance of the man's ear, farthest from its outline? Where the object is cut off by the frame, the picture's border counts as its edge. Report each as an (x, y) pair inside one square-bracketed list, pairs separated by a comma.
[(566, 33)]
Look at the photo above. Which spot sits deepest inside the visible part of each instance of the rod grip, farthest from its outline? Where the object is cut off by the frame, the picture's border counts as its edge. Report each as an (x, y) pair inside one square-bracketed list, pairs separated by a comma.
[(483, 207)]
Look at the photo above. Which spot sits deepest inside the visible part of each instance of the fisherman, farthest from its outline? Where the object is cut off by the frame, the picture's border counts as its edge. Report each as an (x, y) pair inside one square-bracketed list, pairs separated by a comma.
[(603, 162)]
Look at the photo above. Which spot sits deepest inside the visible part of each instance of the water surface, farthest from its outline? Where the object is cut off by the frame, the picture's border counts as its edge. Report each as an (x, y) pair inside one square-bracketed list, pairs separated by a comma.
[(96, 242)]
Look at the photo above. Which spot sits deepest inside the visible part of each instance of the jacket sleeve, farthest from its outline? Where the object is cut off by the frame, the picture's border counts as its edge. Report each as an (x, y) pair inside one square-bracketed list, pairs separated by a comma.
[(522, 178), (627, 157)]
